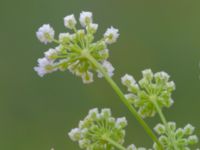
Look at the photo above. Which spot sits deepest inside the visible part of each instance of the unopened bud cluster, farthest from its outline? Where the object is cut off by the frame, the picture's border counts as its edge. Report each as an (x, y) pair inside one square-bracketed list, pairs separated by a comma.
[(151, 89), (74, 47), (183, 138), (93, 132)]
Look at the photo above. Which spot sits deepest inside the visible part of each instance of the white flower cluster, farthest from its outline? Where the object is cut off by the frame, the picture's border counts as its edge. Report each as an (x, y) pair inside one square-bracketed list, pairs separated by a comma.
[(93, 132), (73, 48), (151, 89), (182, 137)]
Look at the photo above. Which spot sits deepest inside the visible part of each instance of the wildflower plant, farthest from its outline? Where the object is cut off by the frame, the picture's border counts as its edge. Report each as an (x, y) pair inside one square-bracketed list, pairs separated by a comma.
[(79, 52)]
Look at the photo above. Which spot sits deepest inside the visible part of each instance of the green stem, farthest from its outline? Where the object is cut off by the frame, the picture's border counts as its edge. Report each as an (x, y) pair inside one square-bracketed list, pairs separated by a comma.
[(117, 145), (123, 99), (163, 119)]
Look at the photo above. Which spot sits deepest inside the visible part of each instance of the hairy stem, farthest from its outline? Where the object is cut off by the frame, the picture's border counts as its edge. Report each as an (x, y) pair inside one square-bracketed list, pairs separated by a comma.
[(163, 119), (123, 99), (117, 145)]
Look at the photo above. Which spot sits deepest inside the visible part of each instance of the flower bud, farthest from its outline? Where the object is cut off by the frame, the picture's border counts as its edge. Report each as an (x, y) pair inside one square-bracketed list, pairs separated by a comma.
[(70, 21), (85, 18)]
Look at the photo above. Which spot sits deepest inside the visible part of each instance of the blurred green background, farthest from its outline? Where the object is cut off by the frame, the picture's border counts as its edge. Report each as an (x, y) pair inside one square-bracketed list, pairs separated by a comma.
[(37, 113)]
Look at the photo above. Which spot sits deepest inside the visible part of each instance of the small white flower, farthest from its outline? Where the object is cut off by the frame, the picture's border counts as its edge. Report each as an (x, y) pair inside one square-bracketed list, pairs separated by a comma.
[(84, 143), (171, 85), (108, 67), (189, 129), (44, 67), (70, 21), (148, 74), (121, 122), (64, 37), (106, 112), (128, 79), (131, 147), (85, 18), (50, 54), (87, 77), (80, 34), (41, 71), (45, 34), (92, 27), (161, 76), (193, 139), (75, 134), (111, 35), (93, 112), (172, 125), (160, 128)]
